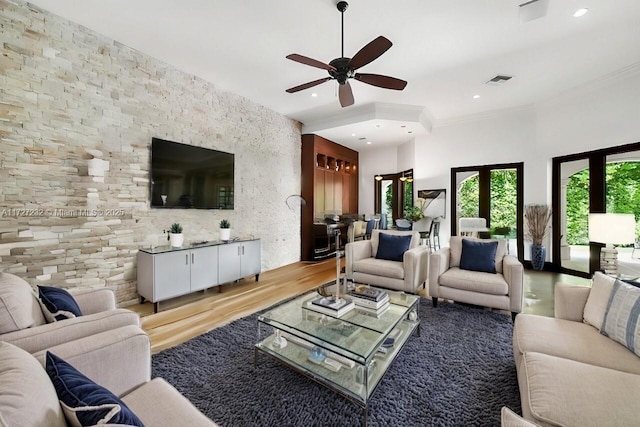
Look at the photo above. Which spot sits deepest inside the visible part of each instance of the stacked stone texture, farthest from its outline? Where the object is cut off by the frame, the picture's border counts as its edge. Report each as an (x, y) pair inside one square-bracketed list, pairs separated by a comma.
[(69, 95)]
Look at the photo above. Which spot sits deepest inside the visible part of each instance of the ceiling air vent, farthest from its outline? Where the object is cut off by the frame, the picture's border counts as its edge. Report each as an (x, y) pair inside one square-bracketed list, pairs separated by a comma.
[(498, 80), (533, 9)]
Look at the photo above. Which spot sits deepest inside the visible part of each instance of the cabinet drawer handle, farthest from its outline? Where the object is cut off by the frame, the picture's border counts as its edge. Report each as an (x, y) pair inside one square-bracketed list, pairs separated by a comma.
[(186, 259), (243, 250), (192, 258)]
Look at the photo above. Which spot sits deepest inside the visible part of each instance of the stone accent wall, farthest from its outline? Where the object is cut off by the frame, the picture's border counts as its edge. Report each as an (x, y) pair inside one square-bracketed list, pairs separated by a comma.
[(77, 114)]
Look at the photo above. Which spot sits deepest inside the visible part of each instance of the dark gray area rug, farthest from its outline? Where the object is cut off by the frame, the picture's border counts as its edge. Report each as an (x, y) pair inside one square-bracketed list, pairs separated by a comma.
[(459, 372)]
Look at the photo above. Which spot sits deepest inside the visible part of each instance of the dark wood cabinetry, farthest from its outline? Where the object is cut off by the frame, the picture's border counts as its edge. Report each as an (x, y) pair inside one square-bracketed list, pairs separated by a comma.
[(329, 185)]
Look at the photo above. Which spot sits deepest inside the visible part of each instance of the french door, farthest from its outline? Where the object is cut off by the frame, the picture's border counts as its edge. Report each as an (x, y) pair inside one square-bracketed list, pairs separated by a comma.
[(492, 192), (600, 181)]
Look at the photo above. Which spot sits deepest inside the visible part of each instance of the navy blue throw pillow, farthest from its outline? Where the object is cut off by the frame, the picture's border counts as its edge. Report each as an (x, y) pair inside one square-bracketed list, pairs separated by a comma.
[(478, 256), (83, 400), (58, 304), (392, 247)]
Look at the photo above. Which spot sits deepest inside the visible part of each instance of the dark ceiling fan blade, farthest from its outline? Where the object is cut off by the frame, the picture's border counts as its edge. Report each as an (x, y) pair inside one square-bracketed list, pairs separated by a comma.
[(370, 52), (308, 85), (310, 61), (381, 81), (345, 95)]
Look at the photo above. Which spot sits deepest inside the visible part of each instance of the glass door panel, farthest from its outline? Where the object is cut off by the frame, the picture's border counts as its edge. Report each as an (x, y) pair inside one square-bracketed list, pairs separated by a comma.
[(468, 195), (503, 214), (623, 197), (574, 215)]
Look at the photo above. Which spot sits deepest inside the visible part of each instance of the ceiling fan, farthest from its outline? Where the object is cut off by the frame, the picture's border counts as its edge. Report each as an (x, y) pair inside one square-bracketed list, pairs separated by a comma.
[(342, 69)]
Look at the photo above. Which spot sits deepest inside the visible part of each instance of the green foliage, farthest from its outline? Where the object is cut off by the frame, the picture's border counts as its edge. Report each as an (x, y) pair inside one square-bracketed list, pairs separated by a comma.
[(225, 224), (577, 208), (408, 197), (469, 198), (623, 196), (504, 192)]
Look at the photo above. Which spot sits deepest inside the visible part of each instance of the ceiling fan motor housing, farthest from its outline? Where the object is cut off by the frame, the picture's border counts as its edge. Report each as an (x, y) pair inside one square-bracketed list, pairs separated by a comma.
[(342, 71)]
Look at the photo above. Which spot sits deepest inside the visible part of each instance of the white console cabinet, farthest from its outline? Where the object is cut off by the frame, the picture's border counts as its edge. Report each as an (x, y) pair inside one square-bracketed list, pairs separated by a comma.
[(165, 273), (240, 259)]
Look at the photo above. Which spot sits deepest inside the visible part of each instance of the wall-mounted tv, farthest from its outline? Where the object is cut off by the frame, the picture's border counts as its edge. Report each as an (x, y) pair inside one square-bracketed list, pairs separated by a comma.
[(184, 176)]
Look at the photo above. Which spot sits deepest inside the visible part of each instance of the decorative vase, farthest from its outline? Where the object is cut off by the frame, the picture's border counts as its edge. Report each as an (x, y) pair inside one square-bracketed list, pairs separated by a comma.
[(538, 256), (225, 234), (176, 240)]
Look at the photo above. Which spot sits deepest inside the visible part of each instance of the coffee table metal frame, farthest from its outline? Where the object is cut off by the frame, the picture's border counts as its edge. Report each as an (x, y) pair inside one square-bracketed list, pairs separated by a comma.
[(352, 340)]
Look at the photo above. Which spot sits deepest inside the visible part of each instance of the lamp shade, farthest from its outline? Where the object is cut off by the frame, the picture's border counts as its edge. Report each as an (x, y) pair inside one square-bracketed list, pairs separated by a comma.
[(612, 228)]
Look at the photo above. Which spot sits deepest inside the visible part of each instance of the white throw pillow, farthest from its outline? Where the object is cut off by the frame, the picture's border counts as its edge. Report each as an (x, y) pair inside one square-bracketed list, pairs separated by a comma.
[(596, 306)]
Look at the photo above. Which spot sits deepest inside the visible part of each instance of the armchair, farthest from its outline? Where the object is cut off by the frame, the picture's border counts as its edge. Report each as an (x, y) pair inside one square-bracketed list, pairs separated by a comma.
[(23, 324), (407, 275), (502, 290)]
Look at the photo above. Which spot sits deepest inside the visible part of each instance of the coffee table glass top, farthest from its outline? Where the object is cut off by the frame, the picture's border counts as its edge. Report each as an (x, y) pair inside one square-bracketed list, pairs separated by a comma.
[(355, 335)]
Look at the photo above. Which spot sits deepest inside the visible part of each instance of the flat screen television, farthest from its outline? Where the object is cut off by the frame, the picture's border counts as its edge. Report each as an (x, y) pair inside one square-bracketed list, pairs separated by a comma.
[(184, 176)]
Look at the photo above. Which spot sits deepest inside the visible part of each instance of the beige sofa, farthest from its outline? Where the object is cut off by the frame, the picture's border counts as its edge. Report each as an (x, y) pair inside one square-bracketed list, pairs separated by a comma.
[(23, 323), (569, 374), (106, 344), (407, 275), (121, 364), (502, 290)]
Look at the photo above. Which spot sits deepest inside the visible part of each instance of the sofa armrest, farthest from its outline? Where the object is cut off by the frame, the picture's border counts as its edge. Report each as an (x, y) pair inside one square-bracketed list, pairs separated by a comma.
[(513, 272), (119, 359), (95, 300), (438, 264), (355, 251), (569, 301), (416, 265), (52, 334), (157, 403)]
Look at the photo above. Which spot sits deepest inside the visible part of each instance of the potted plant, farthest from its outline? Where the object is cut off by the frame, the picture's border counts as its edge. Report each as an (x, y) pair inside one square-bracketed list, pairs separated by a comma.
[(225, 230), (537, 218), (175, 237)]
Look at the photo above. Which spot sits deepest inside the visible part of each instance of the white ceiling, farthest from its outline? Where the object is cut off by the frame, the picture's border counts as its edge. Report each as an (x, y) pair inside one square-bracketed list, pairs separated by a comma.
[(445, 49)]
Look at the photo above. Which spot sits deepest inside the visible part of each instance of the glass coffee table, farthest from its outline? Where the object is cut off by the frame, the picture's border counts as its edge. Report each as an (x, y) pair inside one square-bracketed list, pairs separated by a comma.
[(349, 354)]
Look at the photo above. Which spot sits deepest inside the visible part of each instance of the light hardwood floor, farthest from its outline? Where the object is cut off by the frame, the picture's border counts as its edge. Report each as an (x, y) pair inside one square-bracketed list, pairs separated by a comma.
[(184, 318)]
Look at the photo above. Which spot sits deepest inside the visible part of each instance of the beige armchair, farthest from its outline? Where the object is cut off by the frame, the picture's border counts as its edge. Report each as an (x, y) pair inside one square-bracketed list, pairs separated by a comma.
[(23, 324), (502, 290), (407, 275)]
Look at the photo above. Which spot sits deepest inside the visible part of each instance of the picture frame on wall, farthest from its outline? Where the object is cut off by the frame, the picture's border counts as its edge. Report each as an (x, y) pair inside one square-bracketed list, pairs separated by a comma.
[(436, 206)]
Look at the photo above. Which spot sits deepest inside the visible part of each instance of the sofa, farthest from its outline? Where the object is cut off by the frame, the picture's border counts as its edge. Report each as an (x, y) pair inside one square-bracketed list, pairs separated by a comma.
[(569, 372), (122, 365), (404, 270), (105, 344), (23, 323), (501, 288)]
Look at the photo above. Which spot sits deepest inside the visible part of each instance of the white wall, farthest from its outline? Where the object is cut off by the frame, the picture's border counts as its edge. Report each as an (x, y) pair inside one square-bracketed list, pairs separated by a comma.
[(378, 161), (602, 114)]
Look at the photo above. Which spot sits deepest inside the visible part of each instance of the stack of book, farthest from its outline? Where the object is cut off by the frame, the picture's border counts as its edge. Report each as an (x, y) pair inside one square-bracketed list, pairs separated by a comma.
[(331, 306), (370, 299)]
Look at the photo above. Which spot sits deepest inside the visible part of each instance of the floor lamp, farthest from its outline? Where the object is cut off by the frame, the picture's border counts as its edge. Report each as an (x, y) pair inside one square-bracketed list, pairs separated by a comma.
[(611, 229)]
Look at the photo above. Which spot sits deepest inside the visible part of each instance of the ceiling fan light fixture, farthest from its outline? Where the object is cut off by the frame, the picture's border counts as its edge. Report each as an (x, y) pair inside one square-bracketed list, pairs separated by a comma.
[(343, 68)]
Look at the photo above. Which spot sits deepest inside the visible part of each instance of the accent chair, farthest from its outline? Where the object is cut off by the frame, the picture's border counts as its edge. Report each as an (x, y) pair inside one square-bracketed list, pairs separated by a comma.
[(477, 271)]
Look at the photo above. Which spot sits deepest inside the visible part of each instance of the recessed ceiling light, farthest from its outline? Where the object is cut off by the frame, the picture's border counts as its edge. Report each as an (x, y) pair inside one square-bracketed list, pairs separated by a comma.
[(580, 12), (353, 134), (314, 94), (476, 96), (368, 142)]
